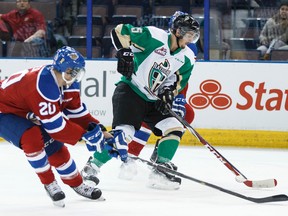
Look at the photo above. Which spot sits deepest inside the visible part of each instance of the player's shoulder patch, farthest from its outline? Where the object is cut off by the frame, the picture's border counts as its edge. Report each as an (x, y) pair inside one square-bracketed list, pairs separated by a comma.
[(47, 85)]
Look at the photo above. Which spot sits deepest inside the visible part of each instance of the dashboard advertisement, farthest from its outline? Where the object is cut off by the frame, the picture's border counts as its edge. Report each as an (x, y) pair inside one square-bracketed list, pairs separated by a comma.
[(224, 95)]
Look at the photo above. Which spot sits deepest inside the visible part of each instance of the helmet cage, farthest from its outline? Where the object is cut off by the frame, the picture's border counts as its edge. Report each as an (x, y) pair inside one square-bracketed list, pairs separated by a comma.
[(193, 38), (76, 74)]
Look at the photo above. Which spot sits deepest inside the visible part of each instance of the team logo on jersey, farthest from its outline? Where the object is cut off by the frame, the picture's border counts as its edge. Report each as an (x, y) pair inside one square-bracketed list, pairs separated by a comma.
[(162, 51), (158, 74)]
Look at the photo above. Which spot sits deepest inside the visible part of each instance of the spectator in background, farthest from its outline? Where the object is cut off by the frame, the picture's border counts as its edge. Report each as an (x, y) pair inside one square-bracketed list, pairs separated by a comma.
[(25, 24), (67, 12), (274, 34)]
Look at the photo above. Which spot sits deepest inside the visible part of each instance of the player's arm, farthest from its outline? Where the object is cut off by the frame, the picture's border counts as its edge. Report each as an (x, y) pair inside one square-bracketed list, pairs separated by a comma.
[(57, 125), (125, 56), (40, 25), (78, 113), (76, 110), (120, 37), (46, 105)]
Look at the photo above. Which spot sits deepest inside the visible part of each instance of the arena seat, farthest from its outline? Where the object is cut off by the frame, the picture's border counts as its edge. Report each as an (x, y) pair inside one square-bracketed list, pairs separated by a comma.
[(166, 10), (245, 54), (243, 43), (47, 8), (96, 51), (279, 55), (125, 19), (136, 10)]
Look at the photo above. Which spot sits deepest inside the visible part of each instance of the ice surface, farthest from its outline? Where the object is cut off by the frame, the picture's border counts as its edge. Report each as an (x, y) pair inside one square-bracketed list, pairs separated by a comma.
[(23, 194)]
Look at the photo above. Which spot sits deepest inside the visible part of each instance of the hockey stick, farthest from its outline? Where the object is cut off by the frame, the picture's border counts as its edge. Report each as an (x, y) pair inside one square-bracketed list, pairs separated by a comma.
[(275, 198), (267, 183)]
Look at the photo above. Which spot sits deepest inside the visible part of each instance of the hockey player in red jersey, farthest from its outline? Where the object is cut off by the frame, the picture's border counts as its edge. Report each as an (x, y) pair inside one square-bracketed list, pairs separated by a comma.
[(41, 109)]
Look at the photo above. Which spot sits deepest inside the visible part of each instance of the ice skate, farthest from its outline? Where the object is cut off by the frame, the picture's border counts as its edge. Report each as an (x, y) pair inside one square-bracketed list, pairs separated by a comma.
[(154, 157), (89, 192), (128, 169), (55, 193), (159, 179), (90, 171)]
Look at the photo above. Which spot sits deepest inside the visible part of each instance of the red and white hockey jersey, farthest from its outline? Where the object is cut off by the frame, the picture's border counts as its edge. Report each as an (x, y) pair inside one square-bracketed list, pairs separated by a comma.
[(59, 110)]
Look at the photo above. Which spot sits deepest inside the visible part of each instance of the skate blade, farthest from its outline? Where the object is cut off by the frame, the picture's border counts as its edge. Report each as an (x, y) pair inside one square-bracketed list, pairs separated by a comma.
[(128, 171), (126, 176), (59, 203), (160, 186), (101, 198), (159, 182)]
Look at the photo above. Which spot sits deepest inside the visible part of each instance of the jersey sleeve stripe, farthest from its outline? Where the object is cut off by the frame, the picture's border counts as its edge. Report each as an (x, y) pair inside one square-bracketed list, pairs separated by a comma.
[(54, 124)]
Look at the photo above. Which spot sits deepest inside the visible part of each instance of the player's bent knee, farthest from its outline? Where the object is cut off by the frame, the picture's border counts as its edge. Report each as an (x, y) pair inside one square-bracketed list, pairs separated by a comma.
[(60, 157), (128, 130), (31, 140), (170, 125)]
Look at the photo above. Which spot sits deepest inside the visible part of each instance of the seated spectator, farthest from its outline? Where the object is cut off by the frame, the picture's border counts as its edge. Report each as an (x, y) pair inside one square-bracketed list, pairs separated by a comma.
[(274, 34), (27, 25)]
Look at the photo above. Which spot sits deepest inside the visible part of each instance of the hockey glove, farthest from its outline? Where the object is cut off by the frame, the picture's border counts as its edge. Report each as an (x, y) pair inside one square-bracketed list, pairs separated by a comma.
[(125, 65), (117, 146), (92, 125), (94, 138), (109, 146), (178, 105), (166, 98)]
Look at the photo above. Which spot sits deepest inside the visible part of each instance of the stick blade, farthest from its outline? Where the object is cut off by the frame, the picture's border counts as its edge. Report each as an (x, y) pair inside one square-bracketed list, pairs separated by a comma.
[(268, 183), (275, 198)]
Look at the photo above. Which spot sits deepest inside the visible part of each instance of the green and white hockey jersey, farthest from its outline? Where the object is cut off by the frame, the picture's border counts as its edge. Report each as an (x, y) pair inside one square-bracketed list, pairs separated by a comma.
[(155, 65)]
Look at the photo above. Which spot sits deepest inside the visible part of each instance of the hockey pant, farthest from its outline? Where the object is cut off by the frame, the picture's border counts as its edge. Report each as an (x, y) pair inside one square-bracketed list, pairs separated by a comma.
[(142, 135), (42, 151)]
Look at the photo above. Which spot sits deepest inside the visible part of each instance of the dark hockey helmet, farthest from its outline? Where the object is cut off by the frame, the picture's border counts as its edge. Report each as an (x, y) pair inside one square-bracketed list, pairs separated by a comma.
[(185, 23), (69, 58)]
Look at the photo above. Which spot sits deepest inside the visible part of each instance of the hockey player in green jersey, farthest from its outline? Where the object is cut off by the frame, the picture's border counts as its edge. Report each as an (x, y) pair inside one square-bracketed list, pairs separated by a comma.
[(149, 57)]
